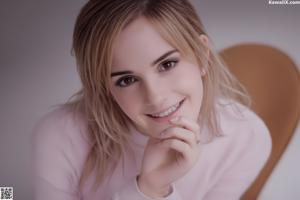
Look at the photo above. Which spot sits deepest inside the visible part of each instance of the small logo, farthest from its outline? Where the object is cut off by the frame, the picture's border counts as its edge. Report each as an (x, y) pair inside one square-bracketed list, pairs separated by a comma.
[(283, 2), (7, 193)]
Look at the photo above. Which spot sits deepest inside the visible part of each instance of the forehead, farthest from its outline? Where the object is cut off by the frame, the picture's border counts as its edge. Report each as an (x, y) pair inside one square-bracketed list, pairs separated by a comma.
[(138, 44)]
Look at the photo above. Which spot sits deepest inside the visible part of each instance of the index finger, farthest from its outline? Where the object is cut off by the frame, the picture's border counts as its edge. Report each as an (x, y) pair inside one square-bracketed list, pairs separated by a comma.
[(186, 123)]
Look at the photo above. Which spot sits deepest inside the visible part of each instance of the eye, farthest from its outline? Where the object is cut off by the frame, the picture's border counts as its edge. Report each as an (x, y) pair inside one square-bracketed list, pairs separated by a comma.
[(167, 65), (125, 81)]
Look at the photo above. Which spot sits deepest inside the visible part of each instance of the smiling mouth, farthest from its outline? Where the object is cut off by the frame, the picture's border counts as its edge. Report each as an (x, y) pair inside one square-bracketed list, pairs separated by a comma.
[(170, 111)]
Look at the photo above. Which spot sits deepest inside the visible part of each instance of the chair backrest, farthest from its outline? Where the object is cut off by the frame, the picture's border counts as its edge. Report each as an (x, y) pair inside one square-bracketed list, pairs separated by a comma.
[(273, 81)]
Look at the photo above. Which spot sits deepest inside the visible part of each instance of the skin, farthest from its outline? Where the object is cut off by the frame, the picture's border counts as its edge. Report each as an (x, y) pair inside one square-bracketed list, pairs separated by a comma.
[(150, 88)]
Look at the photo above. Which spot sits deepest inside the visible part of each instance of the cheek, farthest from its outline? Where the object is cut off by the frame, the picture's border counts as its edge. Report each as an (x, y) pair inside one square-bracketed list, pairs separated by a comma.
[(190, 79), (196, 87), (127, 102)]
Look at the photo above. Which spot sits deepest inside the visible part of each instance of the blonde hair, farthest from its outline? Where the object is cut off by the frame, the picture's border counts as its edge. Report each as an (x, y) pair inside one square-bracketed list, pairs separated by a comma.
[(98, 24)]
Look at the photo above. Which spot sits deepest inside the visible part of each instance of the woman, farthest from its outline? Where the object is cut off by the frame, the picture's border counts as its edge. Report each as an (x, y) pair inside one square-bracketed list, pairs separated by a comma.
[(158, 115)]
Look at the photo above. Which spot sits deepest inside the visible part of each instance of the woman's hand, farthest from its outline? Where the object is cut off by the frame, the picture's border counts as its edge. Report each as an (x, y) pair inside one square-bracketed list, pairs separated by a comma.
[(169, 157)]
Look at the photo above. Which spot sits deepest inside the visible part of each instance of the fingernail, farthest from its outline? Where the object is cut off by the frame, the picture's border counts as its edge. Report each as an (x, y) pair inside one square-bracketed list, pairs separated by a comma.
[(175, 119), (162, 134)]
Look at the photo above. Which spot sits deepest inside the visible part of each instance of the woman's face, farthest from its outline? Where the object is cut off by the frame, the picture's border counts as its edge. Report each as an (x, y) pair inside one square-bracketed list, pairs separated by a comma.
[(151, 81)]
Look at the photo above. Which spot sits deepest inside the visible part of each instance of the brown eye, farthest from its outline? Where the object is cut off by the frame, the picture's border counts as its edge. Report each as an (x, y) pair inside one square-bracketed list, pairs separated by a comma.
[(167, 65), (125, 81)]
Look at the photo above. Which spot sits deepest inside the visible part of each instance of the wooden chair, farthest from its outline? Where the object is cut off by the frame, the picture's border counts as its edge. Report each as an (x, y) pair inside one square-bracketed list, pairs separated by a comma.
[(273, 82)]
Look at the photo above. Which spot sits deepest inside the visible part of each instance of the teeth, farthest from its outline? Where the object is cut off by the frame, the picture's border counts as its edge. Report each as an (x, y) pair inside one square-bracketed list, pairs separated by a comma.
[(167, 112)]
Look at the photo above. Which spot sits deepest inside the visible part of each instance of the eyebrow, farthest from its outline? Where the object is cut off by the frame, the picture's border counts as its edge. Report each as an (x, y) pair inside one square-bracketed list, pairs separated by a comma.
[(165, 55)]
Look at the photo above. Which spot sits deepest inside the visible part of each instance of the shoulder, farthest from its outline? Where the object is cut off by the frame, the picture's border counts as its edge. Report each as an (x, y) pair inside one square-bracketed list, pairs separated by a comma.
[(60, 147), (235, 117), (59, 124), (235, 159), (60, 128), (245, 133)]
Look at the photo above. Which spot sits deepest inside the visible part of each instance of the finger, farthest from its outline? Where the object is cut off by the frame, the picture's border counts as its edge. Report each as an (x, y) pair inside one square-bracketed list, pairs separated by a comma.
[(180, 133), (186, 123), (178, 146)]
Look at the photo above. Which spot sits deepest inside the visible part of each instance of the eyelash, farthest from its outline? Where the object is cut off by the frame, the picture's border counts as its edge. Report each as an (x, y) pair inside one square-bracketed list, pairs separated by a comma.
[(120, 82)]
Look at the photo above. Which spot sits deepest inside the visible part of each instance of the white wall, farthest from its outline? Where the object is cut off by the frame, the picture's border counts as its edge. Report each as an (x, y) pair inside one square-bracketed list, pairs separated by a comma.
[(37, 70), (234, 21)]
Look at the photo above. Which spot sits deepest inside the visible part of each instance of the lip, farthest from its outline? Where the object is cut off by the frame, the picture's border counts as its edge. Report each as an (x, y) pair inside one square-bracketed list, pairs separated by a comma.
[(167, 118)]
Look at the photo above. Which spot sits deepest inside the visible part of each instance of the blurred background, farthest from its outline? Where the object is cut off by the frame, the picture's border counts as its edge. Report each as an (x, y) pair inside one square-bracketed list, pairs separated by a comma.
[(38, 71)]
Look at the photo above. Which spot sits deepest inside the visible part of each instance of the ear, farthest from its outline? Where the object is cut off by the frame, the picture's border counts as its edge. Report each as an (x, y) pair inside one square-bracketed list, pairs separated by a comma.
[(205, 41)]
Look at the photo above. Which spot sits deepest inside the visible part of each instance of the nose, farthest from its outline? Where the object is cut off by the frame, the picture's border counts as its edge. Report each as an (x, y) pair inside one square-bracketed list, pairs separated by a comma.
[(154, 93)]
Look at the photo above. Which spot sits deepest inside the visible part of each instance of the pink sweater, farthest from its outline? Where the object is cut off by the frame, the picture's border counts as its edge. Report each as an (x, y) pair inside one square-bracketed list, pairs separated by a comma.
[(226, 168)]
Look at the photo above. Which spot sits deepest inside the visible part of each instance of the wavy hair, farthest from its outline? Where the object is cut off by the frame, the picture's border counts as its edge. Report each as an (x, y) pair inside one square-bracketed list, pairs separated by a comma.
[(98, 24)]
